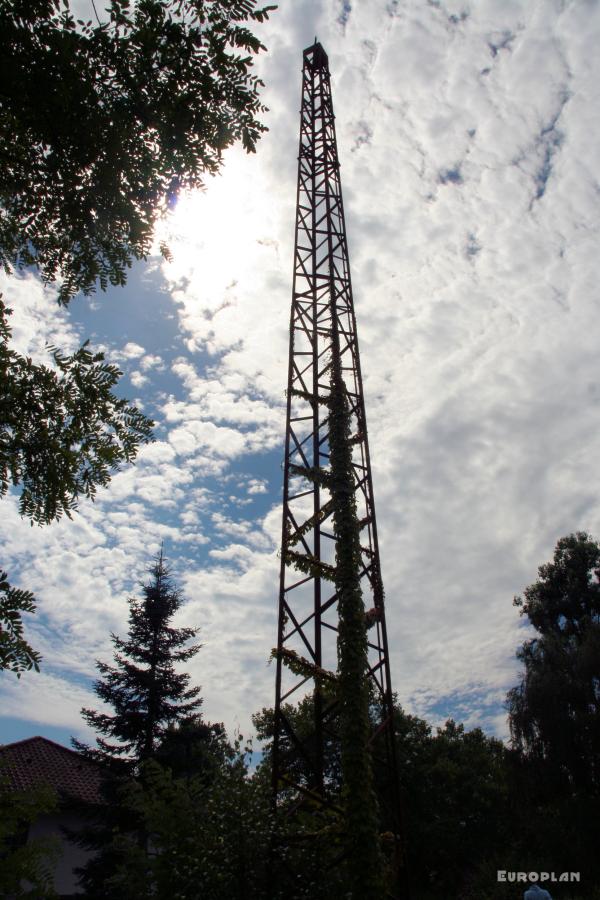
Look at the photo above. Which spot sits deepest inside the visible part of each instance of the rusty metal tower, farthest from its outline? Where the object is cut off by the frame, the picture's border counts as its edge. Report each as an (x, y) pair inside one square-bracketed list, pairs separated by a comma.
[(306, 657)]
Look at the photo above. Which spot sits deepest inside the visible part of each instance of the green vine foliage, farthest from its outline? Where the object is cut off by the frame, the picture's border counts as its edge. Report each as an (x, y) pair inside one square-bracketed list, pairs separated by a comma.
[(310, 566), (364, 861), (301, 666), (359, 831), (324, 399), (310, 523), (316, 474)]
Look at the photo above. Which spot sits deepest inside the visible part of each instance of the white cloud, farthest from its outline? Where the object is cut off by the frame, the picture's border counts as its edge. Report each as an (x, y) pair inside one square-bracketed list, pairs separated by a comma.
[(50, 700), (152, 362), (471, 227), (256, 486), (37, 320), (131, 350), (469, 143), (157, 452), (137, 379)]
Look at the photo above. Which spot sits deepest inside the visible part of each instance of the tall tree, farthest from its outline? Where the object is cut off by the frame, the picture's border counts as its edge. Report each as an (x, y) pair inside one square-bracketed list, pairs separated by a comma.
[(193, 748), (143, 687), (455, 788), (101, 123), (555, 710), (208, 838), (149, 698)]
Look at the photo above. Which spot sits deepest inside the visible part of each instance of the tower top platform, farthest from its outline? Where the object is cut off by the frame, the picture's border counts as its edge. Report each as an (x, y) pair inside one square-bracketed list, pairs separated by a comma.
[(316, 57)]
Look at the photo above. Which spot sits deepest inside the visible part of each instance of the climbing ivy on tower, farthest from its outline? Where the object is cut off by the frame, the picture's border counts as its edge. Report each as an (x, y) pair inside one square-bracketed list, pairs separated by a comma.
[(364, 861)]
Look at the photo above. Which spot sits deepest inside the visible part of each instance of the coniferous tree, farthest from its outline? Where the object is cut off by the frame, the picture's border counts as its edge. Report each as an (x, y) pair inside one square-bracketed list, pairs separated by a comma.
[(149, 697), (143, 687)]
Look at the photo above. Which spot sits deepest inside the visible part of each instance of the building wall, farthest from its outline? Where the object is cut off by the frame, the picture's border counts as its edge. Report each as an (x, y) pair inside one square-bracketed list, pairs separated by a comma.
[(72, 856)]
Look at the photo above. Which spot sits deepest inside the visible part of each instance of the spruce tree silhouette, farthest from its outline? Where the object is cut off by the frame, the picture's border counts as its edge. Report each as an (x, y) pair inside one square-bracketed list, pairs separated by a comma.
[(143, 687)]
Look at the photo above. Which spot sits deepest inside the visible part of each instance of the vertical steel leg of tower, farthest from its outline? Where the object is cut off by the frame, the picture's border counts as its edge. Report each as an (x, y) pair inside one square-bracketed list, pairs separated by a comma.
[(306, 656)]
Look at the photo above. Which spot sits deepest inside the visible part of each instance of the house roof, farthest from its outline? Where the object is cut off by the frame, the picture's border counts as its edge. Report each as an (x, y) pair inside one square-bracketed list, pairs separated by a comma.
[(38, 760)]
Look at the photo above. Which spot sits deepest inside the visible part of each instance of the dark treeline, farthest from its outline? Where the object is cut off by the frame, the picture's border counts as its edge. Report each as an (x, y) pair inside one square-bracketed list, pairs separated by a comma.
[(186, 816)]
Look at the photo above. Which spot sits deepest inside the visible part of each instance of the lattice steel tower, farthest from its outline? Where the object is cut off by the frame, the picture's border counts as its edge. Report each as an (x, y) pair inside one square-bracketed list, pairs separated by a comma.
[(323, 315)]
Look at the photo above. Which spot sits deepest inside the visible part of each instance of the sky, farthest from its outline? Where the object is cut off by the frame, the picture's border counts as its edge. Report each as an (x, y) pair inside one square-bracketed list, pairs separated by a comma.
[(469, 141)]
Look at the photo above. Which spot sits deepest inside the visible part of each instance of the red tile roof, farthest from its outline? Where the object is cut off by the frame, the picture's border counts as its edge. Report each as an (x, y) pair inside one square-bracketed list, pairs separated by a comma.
[(38, 760)]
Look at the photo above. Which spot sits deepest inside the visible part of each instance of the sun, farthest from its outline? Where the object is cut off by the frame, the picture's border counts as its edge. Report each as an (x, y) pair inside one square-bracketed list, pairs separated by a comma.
[(224, 244), (212, 233)]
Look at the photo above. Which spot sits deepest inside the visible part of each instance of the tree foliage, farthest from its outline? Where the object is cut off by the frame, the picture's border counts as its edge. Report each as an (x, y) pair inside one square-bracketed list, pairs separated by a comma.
[(100, 124), (16, 655), (62, 430), (153, 725), (184, 818), (143, 687), (456, 791), (206, 838), (193, 748), (25, 866), (555, 710), (455, 785)]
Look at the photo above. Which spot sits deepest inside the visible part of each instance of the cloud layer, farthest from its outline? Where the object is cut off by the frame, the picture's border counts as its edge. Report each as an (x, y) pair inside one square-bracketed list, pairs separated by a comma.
[(469, 137)]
